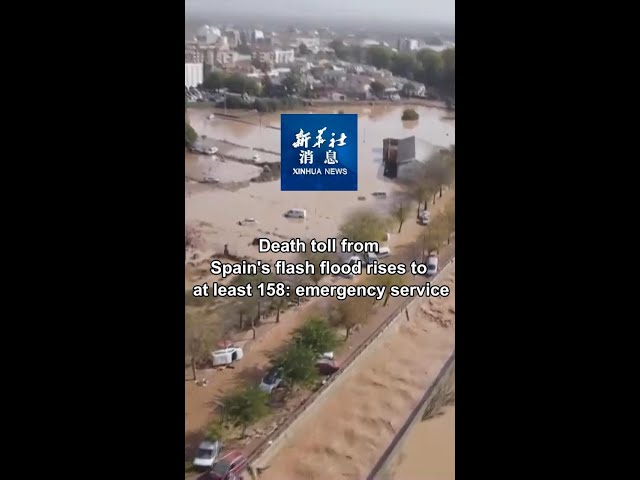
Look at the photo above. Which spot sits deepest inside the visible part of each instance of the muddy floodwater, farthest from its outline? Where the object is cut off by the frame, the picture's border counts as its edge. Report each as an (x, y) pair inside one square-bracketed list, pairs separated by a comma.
[(429, 451), (221, 209)]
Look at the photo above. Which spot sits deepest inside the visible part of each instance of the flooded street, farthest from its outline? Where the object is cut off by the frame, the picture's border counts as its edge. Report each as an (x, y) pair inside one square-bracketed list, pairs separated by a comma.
[(223, 209), (429, 451)]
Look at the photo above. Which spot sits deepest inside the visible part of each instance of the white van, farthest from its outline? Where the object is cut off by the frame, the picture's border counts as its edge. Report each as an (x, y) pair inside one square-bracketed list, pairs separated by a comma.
[(384, 252), (296, 213)]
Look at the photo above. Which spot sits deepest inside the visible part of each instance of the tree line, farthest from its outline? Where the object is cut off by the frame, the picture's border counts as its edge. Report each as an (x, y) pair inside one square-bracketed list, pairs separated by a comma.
[(434, 69)]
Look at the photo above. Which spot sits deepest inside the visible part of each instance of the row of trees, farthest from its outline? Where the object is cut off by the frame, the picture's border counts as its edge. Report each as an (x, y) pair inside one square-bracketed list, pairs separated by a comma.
[(245, 406), (235, 82), (437, 69)]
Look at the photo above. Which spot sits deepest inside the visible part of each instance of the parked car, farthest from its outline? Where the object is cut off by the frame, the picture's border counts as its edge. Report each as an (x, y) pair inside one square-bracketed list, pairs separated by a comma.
[(207, 454), (384, 252), (432, 265), (226, 356), (229, 466), (271, 380), (327, 366)]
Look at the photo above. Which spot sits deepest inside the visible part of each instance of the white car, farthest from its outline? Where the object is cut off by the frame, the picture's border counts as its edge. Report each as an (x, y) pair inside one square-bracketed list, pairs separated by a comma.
[(432, 265), (226, 356), (207, 454)]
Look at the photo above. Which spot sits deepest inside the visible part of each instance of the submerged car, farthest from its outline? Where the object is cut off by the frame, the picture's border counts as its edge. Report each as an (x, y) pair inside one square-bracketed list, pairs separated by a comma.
[(271, 380), (229, 466), (424, 218), (207, 454), (432, 265)]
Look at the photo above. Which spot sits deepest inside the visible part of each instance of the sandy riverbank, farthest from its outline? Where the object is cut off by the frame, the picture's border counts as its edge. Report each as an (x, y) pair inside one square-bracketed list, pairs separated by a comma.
[(346, 435)]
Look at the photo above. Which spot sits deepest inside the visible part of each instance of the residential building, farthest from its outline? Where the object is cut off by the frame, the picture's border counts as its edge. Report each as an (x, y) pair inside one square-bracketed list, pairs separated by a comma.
[(193, 74), (226, 57), (233, 38), (310, 43), (257, 35), (408, 44), (276, 56), (207, 34)]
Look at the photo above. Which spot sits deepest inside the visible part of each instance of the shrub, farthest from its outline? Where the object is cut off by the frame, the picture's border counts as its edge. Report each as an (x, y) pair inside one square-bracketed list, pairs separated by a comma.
[(410, 114)]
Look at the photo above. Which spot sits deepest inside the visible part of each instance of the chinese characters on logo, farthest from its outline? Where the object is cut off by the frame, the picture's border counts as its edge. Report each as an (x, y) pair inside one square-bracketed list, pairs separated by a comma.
[(306, 155)]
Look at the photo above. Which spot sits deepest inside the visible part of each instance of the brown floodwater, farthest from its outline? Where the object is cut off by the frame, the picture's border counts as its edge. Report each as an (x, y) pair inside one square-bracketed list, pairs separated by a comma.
[(429, 451), (325, 210)]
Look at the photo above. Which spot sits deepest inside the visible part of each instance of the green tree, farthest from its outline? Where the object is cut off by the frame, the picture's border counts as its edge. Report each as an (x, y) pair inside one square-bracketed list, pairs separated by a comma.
[(245, 407), (215, 432), (377, 88), (256, 302), (379, 56), (317, 335), (238, 83), (404, 65), (214, 81), (340, 48), (267, 86), (200, 338), (421, 190), (400, 212), (350, 312), (298, 364), (436, 233), (303, 49), (292, 83), (410, 114), (190, 135), (449, 70), (432, 66), (388, 281), (441, 169), (365, 226)]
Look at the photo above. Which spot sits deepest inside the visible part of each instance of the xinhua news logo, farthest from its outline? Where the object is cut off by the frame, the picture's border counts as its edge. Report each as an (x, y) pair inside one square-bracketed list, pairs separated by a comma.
[(319, 152)]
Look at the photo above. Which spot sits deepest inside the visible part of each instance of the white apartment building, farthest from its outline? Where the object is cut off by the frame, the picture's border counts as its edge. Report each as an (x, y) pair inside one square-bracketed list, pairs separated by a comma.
[(408, 44), (277, 56), (193, 74), (226, 57)]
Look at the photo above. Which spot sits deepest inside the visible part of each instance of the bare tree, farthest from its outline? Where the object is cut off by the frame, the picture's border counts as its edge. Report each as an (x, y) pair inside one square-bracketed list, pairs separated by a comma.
[(350, 312), (200, 338), (400, 213), (365, 226)]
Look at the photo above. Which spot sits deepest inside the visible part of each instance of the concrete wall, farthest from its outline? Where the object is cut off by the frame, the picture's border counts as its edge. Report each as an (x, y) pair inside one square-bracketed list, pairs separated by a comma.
[(193, 74), (278, 439)]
